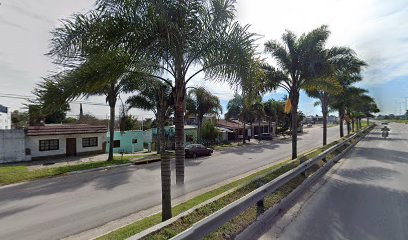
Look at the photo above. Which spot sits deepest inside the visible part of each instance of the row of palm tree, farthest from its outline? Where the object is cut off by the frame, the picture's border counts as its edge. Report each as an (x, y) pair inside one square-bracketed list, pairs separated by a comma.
[(153, 49)]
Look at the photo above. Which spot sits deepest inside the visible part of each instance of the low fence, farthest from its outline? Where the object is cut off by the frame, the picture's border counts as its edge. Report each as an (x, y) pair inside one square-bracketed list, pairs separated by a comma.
[(219, 218)]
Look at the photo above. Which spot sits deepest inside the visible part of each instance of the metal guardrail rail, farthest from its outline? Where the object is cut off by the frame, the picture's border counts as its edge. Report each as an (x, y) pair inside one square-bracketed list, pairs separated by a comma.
[(219, 218)]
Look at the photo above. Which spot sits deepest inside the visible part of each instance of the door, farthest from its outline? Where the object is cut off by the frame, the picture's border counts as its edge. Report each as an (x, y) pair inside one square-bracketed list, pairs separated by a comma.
[(71, 147)]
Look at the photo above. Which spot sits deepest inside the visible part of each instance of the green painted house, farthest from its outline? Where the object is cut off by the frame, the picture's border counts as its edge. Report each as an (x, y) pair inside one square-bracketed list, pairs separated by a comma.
[(126, 142)]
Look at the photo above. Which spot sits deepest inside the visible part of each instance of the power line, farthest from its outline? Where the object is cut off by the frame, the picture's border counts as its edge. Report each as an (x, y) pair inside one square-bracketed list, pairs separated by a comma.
[(25, 97)]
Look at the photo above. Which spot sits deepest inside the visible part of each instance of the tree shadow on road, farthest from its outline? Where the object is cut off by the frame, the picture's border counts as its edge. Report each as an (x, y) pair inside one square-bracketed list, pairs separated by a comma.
[(347, 209), (104, 179), (382, 155), (367, 174)]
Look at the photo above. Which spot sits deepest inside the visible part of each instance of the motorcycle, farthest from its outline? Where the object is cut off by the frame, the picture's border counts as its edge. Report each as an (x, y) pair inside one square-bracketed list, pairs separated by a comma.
[(385, 132)]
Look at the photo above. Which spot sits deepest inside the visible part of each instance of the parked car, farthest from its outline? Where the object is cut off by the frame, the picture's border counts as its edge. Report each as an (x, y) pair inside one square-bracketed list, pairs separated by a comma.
[(195, 150), (264, 136)]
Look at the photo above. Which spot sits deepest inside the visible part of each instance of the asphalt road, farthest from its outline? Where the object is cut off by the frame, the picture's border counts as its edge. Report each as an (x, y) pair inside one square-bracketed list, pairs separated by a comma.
[(366, 197), (63, 206)]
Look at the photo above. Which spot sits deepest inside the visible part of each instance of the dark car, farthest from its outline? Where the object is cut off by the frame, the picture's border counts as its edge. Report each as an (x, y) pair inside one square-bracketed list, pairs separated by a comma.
[(195, 150), (264, 136)]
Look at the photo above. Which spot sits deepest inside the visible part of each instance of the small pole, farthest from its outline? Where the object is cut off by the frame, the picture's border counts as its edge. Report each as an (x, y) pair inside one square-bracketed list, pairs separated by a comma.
[(260, 205)]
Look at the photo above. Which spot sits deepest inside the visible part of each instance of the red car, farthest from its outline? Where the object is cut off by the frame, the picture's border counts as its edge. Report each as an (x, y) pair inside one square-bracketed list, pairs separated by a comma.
[(195, 150)]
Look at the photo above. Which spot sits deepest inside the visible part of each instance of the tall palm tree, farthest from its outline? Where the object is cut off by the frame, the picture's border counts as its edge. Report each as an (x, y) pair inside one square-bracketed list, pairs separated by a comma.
[(202, 102), (99, 73), (184, 38), (336, 63), (297, 59), (273, 110), (157, 97), (259, 113), (341, 101)]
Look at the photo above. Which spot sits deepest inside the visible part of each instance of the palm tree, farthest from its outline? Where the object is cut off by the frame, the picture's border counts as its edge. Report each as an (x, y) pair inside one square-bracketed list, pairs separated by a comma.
[(157, 97), (234, 107), (200, 102), (99, 73), (184, 38), (336, 63), (297, 59), (259, 113), (273, 109)]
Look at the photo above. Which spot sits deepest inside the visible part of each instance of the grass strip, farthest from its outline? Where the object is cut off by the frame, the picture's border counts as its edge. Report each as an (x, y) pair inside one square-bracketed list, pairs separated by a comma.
[(239, 223), (15, 174)]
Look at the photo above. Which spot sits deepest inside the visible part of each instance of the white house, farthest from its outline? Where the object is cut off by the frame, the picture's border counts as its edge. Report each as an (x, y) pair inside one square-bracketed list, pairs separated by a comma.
[(5, 118), (61, 140)]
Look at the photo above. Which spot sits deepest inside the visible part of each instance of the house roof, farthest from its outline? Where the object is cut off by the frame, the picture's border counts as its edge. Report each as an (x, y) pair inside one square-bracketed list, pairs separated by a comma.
[(64, 129), (229, 124)]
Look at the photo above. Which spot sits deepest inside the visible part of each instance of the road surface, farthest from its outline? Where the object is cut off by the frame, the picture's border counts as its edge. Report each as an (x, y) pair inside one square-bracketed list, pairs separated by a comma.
[(365, 197), (63, 206)]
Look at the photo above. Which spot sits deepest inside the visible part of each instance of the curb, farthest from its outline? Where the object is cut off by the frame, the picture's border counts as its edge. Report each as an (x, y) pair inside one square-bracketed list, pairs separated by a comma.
[(99, 169)]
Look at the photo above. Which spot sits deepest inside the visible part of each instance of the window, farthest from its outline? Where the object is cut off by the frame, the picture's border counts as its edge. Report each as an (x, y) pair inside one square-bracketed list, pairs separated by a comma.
[(90, 142), (134, 140), (116, 143), (49, 145)]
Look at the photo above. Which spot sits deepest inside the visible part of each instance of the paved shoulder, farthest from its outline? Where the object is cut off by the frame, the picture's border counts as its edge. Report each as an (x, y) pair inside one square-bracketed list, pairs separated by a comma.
[(366, 198)]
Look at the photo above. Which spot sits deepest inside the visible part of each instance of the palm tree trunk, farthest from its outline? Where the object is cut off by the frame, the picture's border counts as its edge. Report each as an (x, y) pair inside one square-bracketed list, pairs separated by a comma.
[(200, 123), (368, 121), (276, 123), (244, 134), (294, 102), (179, 139), (325, 113), (112, 104), (348, 127), (352, 124), (259, 129), (165, 173), (341, 121), (324, 127)]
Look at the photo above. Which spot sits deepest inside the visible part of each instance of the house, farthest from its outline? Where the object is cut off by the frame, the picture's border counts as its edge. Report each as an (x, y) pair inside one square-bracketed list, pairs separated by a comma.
[(224, 133), (190, 133), (263, 127), (126, 141), (190, 136), (5, 118), (236, 128), (61, 140)]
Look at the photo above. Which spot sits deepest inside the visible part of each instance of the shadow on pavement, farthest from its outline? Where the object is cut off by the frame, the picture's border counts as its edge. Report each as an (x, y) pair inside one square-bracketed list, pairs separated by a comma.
[(50, 186), (350, 210), (383, 155)]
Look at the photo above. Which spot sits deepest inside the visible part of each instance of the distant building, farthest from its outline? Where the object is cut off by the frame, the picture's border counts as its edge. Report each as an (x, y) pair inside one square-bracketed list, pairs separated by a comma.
[(5, 118), (319, 119)]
